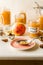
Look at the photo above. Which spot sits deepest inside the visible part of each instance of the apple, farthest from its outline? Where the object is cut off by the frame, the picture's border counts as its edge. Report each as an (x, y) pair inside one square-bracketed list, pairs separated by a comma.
[(19, 29)]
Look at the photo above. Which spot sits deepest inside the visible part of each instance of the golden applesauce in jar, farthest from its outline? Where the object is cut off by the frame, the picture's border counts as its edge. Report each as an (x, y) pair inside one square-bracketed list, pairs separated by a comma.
[(6, 17), (20, 18), (40, 20), (33, 29)]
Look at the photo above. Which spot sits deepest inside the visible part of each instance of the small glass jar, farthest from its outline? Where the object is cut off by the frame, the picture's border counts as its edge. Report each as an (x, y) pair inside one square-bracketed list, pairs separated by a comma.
[(21, 18), (33, 29)]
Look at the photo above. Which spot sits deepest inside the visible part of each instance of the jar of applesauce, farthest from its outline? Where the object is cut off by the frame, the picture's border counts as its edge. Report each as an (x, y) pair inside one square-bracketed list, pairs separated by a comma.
[(20, 18), (33, 29), (6, 14), (6, 17), (41, 24)]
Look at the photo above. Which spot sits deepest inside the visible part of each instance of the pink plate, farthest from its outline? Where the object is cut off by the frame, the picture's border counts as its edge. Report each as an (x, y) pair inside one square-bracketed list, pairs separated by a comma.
[(21, 47)]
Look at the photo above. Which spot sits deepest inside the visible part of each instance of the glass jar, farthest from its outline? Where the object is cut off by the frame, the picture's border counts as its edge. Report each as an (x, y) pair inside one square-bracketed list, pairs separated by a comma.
[(41, 22), (39, 13), (40, 19), (6, 17), (6, 14), (21, 18), (33, 29)]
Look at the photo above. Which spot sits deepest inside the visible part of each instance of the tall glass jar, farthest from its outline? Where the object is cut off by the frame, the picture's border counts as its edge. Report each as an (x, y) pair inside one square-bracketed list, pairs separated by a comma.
[(39, 12), (6, 14)]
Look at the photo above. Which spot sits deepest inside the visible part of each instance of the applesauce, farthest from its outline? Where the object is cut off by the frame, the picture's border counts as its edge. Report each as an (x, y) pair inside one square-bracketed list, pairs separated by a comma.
[(33, 29), (41, 22), (21, 18), (6, 17)]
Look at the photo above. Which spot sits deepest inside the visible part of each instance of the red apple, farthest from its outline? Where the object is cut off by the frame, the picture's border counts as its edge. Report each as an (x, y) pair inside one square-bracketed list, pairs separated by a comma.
[(19, 29)]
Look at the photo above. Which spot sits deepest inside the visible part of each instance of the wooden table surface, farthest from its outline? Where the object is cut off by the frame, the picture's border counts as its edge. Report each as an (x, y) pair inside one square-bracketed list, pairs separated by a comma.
[(20, 62)]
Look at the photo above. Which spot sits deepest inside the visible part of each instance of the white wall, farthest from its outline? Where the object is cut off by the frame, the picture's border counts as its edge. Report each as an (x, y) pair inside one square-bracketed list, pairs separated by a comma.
[(20, 5)]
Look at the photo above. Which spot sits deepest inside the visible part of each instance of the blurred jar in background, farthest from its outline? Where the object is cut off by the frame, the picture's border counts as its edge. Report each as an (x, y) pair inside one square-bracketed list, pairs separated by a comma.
[(41, 22), (6, 17), (39, 13), (21, 18), (40, 19), (6, 14), (33, 29)]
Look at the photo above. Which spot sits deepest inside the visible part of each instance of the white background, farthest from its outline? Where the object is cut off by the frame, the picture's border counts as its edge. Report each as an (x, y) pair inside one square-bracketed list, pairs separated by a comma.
[(20, 5)]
